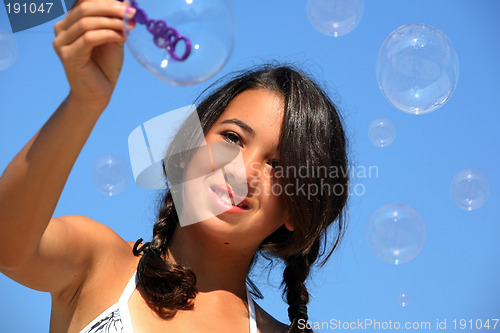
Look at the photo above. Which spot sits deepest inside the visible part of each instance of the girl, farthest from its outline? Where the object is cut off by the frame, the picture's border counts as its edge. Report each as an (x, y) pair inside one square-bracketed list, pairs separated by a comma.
[(189, 278)]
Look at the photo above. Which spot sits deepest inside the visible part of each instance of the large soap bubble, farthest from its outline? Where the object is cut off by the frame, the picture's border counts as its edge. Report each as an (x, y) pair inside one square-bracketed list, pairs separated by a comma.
[(381, 132), (8, 49), (469, 189), (334, 17), (396, 233), (110, 174), (183, 42), (417, 68)]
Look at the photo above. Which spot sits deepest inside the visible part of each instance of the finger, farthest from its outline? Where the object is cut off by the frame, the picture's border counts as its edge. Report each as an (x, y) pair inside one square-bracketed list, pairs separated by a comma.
[(88, 24), (82, 47), (113, 9)]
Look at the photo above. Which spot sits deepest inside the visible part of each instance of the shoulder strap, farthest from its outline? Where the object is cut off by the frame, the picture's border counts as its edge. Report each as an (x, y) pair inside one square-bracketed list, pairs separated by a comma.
[(251, 313), (123, 304)]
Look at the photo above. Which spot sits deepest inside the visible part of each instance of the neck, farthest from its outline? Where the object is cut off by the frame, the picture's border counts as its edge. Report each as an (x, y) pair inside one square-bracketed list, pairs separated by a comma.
[(218, 266)]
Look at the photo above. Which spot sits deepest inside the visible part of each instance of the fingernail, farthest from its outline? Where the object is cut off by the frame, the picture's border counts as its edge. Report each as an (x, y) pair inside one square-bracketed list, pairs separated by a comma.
[(130, 12), (130, 25)]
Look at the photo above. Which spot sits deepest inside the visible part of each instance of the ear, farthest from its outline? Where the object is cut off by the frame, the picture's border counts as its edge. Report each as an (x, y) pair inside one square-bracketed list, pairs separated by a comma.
[(289, 225), (182, 164)]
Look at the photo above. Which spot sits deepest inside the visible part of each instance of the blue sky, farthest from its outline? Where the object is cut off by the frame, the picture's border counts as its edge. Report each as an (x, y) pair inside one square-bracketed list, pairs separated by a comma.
[(456, 274)]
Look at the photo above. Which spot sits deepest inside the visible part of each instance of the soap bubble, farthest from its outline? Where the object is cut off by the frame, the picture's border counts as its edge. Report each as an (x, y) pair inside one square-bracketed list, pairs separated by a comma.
[(334, 17), (202, 30), (110, 174), (469, 189), (403, 299), (417, 68), (8, 49), (381, 132), (396, 233)]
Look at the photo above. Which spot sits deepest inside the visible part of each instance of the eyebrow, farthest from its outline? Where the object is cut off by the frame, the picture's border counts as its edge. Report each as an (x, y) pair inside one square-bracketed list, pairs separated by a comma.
[(239, 123)]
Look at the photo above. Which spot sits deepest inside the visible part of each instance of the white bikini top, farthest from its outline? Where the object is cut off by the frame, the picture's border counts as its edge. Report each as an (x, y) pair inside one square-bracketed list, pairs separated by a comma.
[(116, 319)]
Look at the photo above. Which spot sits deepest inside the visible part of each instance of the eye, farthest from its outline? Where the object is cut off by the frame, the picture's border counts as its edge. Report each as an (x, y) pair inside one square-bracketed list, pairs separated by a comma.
[(232, 137), (274, 164)]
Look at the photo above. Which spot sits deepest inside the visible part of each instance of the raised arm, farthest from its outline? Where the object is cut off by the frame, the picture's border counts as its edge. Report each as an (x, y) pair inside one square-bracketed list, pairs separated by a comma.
[(89, 42)]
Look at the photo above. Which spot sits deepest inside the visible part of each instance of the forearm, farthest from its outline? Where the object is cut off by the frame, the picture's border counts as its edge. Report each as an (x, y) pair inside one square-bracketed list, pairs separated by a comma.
[(32, 183)]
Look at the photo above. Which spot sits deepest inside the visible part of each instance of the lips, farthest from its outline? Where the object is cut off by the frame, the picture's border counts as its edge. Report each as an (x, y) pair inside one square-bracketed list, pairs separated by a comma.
[(229, 197)]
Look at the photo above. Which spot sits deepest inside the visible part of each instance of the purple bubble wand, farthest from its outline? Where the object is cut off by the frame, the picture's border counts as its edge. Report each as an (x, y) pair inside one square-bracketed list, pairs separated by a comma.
[(164, 37)]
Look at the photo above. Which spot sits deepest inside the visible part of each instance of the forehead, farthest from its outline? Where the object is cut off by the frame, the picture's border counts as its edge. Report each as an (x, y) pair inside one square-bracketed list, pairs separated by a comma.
[(256, 107)]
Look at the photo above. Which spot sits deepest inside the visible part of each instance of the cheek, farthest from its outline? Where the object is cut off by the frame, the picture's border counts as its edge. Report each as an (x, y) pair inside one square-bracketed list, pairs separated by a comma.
[(270, 200), (200, 164)]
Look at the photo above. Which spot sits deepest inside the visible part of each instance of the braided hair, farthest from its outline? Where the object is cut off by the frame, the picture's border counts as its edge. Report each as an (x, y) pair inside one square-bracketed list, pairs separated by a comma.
[(312, 135)]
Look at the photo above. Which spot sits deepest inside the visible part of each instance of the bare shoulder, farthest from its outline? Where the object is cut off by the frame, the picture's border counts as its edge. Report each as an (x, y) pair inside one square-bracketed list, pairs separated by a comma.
[(267, 323), (105, 250), (87, 225), (69, 248), (110, 266), (101, 242)]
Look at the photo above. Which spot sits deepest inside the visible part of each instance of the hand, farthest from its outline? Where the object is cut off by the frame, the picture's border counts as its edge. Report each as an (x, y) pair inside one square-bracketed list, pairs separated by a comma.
[(89, 41)]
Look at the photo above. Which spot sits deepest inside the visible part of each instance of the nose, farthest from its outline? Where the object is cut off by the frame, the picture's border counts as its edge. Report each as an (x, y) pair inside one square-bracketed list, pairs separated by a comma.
[(246, 171), (238, 174), (228, 158)]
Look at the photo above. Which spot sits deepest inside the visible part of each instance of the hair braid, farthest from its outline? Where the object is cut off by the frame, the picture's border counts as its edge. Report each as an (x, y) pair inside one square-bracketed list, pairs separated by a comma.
[(294, 277), (169, 287)]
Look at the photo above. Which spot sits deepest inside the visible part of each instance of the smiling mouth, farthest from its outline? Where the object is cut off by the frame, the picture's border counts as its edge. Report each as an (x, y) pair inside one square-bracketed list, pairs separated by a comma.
[(226, 198)]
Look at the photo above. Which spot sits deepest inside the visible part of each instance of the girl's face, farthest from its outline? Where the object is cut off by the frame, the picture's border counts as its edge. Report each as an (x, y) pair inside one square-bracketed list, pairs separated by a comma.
[(241, 195)]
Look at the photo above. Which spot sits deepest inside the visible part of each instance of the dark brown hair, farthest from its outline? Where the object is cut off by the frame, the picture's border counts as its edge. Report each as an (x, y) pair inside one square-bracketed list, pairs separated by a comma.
[(312, 135)]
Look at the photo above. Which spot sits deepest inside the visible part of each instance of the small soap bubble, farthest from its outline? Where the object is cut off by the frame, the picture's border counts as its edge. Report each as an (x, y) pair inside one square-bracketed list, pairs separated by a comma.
[(403, 300), (381, 132), (110, 174), (469, 189), (182, 42), (8, 49), (396, 233), (417, 68), (334, 17)]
